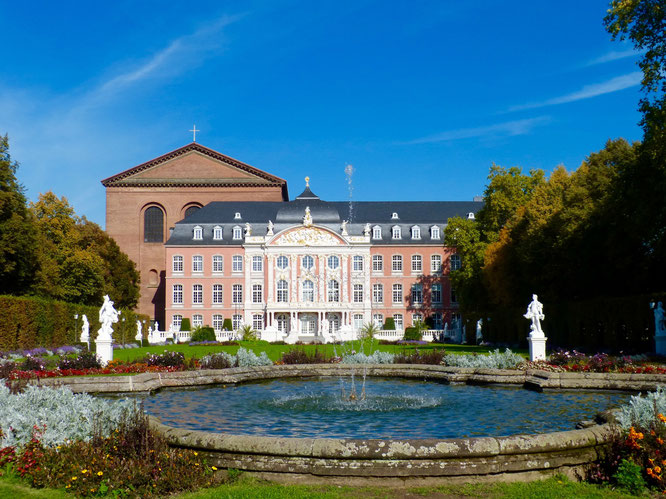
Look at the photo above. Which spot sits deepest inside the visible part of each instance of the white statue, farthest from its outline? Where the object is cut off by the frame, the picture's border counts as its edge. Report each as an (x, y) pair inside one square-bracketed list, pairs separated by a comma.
[(535, 313), (366, 230), (85, 330), (659, 322), (270, 228), (343, 227), (307, 219), (107, 316), (157, 326), (248, 229), (139, 335)]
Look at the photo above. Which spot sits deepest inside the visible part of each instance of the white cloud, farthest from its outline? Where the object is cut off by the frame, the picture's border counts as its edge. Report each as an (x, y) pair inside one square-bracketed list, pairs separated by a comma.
[(614, 56), (506, 129), (588, 91)]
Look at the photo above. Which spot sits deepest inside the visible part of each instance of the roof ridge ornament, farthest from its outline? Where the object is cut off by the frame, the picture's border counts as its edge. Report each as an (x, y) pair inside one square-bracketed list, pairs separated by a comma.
[(307, 219), (307, 181)]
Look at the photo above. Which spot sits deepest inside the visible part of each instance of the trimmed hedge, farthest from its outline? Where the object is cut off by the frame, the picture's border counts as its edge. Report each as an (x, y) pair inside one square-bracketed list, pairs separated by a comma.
[(604, 324), (389, 324), (29, 322), (185, 324)]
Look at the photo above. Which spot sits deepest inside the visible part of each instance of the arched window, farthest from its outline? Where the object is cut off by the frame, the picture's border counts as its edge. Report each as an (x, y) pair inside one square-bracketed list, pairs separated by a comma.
[(238, 232), (282, 262), (434, 232), (189, 211), (308, 262), (153, 225), (333, 262), (197, 233), (396, 233), (376, 232), (416, 232)]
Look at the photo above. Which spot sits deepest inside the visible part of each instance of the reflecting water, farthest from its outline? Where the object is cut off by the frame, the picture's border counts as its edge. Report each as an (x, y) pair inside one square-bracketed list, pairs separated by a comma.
[(392, 408)]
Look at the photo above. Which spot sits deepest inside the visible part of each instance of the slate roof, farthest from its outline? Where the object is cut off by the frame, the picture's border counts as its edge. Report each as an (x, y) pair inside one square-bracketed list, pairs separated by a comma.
[(425, 214)]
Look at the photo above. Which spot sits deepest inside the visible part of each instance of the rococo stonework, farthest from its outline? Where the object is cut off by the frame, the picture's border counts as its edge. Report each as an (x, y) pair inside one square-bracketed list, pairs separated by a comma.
[(215, 239)]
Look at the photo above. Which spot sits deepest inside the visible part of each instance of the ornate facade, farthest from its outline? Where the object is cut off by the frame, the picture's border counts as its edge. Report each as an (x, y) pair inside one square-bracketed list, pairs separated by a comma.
[(305, 268)]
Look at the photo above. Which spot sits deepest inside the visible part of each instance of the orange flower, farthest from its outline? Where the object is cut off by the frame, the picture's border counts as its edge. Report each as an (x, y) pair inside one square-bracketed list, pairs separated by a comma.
[(660, 441), (661, 417)]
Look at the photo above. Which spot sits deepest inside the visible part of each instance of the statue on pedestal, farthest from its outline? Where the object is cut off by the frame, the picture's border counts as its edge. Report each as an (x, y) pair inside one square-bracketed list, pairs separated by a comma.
[(343, 227), (659, 321), (248, 229), (269, 232), (139, 335), (85, 330), (535, 313), (107, 316)]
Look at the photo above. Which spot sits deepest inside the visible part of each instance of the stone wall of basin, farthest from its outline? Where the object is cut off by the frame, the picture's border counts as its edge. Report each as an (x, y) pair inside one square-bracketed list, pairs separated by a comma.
[(386, 462)]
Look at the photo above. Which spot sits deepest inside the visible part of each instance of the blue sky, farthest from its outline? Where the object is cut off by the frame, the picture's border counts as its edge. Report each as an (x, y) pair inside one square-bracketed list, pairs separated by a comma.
[(420, 97)]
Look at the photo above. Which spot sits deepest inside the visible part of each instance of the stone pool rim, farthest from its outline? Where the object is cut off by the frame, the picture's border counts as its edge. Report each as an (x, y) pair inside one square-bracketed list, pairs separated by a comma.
[(386, 462)]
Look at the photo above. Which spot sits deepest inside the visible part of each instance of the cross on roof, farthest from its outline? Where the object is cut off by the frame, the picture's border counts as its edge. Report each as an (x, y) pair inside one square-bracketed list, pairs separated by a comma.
[(194, 133)]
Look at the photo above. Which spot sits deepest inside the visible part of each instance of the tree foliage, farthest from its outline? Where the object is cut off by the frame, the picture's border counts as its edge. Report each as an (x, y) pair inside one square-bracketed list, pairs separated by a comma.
[(17, 234)]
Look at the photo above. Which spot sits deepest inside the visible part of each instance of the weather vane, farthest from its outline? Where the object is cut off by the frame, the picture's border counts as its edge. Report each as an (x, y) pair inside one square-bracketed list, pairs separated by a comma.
[(194, 133), (307, 181)]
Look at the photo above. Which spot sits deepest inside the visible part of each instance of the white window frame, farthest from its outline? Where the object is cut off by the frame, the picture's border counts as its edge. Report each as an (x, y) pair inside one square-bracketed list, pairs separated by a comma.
[(308, 291), (416, 318), (416, 232), (377, 293), (237, 263), (435, 233), (197, 320), (177, 294), (177, 264), (333, 291), (237, 294), (282, 259), (218, 233), (396, 293), (397, 319), (435, 263), (257, 293), (218, 322), (437, 320), (455, 262), (417, 294), (236, 321), (396, 264), (333, 262), (378, 320), (197, 264), (257, 263), (218, 264), (436, 293), (218, 294), (197, 233), (238, 233), (357, 293), (377, 263), (307, 260), (176, 321), (357, 263), (417, 264), (282, 291), (197, 294), (377, 232), (396, 232), (258, 322)]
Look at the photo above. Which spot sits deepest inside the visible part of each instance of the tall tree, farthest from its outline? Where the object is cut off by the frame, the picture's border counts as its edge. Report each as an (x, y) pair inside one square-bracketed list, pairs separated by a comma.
[(17, 230)]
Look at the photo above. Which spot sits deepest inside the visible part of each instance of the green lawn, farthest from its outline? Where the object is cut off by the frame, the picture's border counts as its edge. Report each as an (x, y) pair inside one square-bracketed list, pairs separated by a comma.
[(274, 352), (248, 487)]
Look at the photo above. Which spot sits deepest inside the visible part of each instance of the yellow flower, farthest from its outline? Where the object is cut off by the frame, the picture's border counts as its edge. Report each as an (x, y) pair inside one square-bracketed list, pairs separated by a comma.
[(196, 453), (196, 464), (213, 468), (74, 478), (100, 473), (83, 472)]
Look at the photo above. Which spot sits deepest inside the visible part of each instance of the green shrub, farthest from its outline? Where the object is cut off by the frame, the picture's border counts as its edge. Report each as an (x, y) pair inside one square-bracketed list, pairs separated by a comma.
[(389, 324), (412, 334), (630, 477), (227, 325), (203, 333), (185, 324)]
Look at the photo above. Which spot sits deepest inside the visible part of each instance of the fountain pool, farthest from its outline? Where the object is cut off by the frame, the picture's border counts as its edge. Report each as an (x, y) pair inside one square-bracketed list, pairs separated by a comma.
[(389, 408)]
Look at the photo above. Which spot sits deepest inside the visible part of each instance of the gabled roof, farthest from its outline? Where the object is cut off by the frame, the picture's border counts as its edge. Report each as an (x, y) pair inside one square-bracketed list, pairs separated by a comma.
[(253, 176)]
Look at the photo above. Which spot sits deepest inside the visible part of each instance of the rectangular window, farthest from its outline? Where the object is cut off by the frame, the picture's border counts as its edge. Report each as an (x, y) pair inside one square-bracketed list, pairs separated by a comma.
[(376, 232), (237, 263), (396, 233), (177, 263), (437, 320), (257, 264), (357, 263), (434, 232), (436, 293), (396, 263), (377, 263), (377, 293), (217, 294), (178, 294), (236, 321), (397, 293), (257, 293), (416, 232), (378, 320), (417, 263), (454, 297), (358, 321), (417, 294), (197, 263), (455, 262), (416, 318), (237, 294), (218, 264), (397, 318), (176, 321), (197, 320), (197, 294), (218, 322), (358, 293), (258, 322), (436, 263)]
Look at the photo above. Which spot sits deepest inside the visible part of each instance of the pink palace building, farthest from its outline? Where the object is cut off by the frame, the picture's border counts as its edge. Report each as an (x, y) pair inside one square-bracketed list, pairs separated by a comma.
[(309, 269)]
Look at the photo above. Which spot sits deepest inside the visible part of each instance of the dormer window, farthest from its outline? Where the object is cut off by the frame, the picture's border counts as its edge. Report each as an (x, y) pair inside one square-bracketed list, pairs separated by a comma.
[(237, 216), (238, 232), (394, 216), (396, 233), (197, 233), (470, 216), (434, 232), (376, 232), (217, 233), (416, 232)]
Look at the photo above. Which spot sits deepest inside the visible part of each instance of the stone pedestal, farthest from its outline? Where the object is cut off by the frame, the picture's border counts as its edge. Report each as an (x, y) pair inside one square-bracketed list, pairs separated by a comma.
[(104, 351), (271, 334), (660, 344), (292, 337), (537, 347)]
